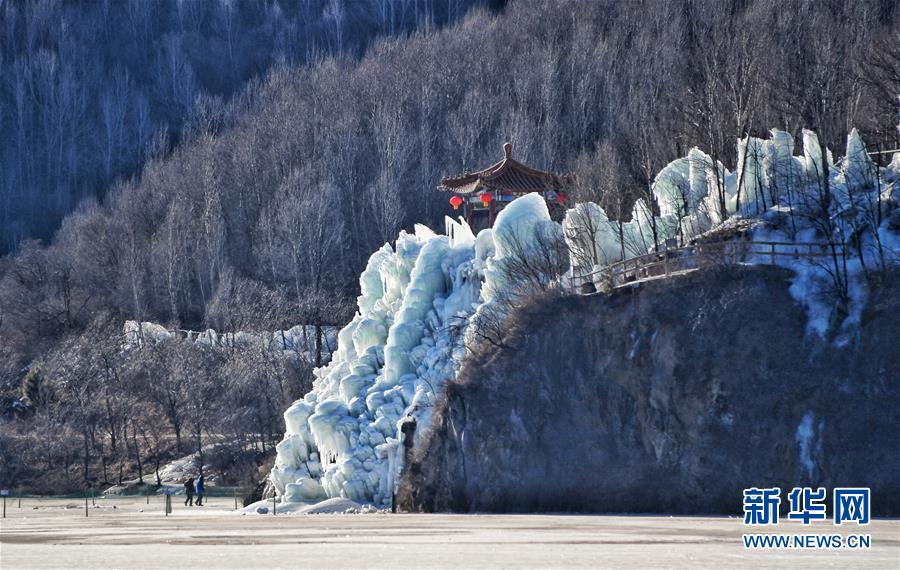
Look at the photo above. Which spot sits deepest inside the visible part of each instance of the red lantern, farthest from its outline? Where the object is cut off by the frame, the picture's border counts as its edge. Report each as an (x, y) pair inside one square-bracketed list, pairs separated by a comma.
[(455, 202), (486, 198), (560, 198)]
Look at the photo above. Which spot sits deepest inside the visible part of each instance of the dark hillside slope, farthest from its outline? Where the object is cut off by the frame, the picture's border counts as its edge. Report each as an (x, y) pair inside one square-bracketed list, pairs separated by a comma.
[(670, 398), (88, 88)]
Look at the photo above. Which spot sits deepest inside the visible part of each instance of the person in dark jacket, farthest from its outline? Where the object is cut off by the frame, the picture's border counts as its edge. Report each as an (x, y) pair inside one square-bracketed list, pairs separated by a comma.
[(189, 492), (199, 488)]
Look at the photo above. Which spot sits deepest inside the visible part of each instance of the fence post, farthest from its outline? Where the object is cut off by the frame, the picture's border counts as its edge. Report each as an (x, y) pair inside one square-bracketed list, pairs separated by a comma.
[(85, 503), (773, 253)]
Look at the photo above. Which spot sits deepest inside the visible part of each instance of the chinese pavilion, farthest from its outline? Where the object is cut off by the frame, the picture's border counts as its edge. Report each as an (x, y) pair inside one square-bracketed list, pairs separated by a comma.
[(484, 193)]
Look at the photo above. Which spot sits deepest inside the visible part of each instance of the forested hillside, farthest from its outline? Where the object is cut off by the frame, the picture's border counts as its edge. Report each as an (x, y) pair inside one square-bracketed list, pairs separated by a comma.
[(90, 90), (263, 214)]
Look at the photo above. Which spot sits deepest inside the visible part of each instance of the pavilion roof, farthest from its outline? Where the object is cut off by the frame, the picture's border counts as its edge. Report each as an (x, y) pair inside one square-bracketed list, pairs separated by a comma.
[(508, 175)]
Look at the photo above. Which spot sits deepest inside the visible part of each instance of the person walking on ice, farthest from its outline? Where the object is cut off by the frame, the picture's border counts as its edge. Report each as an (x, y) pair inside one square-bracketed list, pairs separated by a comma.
[(199, 489), (189, 492)]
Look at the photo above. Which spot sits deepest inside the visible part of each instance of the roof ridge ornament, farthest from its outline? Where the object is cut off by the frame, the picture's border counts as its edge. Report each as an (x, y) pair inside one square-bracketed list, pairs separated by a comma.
[(507, 151)]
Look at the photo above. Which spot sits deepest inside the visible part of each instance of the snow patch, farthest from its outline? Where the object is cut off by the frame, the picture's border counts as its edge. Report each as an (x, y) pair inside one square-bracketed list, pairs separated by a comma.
[(297, 339), (334, 505), (809, 440)]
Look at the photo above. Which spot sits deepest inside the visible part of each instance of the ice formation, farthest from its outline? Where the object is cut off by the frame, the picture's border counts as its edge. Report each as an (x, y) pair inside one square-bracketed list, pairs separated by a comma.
[(857, 169), (813, 166), (343, 439), (518, 232), (693, 194), (590, 236)]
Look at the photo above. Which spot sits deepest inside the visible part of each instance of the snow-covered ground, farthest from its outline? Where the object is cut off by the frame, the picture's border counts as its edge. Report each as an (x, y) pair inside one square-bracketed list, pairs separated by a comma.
[(137, 535)]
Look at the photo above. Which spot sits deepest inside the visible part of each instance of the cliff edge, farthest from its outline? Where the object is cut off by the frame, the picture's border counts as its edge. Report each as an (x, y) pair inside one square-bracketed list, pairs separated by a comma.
[(668, 398)]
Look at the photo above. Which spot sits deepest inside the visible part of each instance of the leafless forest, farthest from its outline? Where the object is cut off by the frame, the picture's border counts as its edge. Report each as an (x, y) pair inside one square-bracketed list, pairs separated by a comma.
[(233, 164)]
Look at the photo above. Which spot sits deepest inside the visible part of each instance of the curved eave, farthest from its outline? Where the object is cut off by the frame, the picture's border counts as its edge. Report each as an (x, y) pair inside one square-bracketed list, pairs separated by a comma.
[(508, 175)]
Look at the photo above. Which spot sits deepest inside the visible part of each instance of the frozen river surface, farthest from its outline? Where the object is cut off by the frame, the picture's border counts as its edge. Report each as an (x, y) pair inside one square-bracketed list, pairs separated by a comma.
[(56, 534)]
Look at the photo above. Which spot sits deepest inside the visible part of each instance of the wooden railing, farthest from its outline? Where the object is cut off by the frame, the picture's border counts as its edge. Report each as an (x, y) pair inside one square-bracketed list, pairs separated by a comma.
[(671, 261)]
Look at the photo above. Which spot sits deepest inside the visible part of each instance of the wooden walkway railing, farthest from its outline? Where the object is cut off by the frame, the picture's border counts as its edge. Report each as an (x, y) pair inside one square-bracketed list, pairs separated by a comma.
[(671, 261)]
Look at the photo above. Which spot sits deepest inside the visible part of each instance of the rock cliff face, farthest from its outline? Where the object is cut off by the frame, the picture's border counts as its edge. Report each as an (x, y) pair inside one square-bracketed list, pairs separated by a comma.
[(670, 398)]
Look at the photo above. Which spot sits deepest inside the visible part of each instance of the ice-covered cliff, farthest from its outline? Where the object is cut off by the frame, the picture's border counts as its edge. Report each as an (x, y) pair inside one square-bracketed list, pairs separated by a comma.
[(406, 342), (423, 296)]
